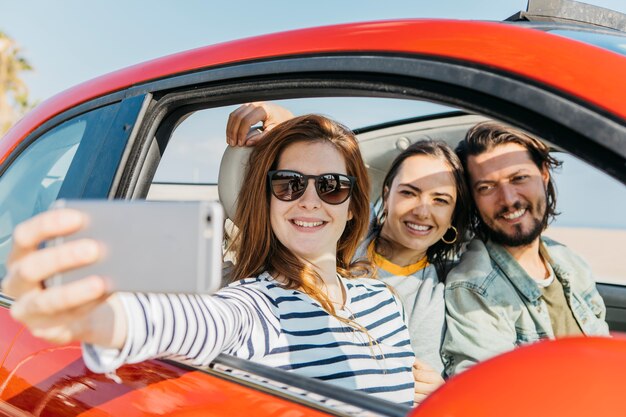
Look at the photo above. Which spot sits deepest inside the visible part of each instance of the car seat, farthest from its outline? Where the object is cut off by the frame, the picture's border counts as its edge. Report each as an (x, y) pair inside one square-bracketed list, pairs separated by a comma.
[(232, 171)]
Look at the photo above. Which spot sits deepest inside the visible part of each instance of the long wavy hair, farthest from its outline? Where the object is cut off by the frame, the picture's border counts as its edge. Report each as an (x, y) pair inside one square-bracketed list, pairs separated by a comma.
[(485, 136), (440, 254), (255, 245)]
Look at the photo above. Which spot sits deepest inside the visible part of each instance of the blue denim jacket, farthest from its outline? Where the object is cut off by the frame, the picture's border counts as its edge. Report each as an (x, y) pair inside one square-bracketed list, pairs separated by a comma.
[(492, 305)]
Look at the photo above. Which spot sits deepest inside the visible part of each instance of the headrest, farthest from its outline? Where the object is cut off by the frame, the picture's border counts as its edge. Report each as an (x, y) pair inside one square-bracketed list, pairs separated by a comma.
[(232, 170)]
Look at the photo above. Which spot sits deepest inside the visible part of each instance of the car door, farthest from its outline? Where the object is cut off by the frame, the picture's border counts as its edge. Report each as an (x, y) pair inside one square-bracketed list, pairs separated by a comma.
[(75, 155)]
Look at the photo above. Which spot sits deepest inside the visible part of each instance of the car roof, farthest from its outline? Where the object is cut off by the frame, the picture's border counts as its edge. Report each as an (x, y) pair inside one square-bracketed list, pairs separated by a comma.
[(547, 59)]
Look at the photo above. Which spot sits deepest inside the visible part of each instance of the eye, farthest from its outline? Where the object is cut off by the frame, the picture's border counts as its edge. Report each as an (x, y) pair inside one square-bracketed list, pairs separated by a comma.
[(443, 201), (519, 178), (485, 188), (406, 193)]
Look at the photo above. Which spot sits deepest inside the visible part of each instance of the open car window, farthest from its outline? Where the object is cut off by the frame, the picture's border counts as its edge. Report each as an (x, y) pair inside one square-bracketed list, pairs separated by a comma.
[(589, 201)]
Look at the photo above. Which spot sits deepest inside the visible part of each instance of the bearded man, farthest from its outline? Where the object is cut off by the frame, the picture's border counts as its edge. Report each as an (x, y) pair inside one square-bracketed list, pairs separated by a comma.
[(513, 285)]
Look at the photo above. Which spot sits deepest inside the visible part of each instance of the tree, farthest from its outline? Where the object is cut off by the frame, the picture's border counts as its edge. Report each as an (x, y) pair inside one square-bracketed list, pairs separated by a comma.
[(13, 91)]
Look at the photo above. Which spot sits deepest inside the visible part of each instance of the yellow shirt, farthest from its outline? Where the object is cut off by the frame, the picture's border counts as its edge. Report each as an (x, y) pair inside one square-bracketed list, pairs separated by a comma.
[(386, 265)]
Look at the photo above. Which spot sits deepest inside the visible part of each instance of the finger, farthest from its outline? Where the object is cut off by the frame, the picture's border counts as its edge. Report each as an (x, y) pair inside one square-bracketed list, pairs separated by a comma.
[(58, 300), (425, 389), (429, 377), (418, 398), (29, 234), (418, 364), (254, 137), (256, 114), (28, 273), (234, 120)]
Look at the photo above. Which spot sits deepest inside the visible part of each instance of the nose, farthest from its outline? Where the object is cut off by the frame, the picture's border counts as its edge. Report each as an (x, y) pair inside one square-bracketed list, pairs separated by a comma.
[(310, 200), (508, 196), (421, 210)]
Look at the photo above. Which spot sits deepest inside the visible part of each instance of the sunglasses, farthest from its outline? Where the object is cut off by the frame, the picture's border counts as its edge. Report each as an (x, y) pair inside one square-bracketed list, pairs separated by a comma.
[(290, 185)]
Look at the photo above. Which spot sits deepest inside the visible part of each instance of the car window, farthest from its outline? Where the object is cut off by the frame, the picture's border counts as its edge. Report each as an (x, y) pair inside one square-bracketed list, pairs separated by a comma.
[(591, 222), (589, 201), (33, 180), (196, 146)]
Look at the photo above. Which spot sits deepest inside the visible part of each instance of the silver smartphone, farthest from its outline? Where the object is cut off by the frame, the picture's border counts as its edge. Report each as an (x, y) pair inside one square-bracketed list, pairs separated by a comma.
[(151, 246)]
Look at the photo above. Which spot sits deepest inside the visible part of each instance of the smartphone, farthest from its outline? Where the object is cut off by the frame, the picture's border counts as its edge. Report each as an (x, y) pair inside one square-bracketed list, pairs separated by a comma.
[(151, 246)]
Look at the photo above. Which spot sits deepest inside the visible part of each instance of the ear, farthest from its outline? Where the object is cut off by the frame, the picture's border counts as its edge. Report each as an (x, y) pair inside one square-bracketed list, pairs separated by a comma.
[(350, 215), (385, 194)]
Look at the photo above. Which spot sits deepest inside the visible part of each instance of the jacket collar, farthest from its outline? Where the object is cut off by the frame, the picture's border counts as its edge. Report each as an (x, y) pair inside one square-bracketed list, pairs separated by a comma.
[(514, 272)]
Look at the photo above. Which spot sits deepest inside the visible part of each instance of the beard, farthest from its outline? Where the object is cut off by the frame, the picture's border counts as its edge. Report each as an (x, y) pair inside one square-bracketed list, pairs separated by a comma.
[(519, 237)]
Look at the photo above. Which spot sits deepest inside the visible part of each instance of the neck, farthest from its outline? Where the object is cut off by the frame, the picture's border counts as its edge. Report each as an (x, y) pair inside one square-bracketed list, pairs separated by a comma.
[(326, 267), (396, 253), (529, 258)]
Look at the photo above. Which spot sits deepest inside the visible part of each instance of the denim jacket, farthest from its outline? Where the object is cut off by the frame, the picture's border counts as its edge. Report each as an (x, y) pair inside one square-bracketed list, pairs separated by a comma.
[(492, 305)]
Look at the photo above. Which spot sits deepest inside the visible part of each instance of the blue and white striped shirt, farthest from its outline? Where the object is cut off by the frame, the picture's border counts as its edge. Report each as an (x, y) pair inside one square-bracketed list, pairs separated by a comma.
[(257, 319)]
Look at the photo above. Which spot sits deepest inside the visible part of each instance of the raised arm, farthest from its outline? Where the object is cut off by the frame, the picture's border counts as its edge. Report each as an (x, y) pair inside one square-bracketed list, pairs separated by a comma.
[(191, 327)]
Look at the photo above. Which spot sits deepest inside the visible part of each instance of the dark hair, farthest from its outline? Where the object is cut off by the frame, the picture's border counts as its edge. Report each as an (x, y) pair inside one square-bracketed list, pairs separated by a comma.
[(257, 248), (485, 136), (440, 254)]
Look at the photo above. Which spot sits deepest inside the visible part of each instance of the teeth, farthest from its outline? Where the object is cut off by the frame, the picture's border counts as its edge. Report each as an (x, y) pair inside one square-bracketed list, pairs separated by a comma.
[(418, 227), (515, 215), (307, 224)]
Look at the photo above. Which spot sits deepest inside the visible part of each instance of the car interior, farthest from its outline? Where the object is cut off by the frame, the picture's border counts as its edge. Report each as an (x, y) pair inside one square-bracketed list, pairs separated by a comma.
[(380, 143)]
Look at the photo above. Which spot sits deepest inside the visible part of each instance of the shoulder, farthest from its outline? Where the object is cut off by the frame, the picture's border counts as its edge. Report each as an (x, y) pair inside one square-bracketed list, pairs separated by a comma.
[(369, 290), (559, 252), (366, 285), (474, 270), (567, 262), (261, 286)]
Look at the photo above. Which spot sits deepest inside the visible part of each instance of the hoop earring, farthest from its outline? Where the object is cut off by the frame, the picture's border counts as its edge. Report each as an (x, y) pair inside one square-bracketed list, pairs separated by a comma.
[(456, 235)]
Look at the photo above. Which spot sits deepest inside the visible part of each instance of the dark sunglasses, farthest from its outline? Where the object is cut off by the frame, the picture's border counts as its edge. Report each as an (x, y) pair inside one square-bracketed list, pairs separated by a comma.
[(290, 185)]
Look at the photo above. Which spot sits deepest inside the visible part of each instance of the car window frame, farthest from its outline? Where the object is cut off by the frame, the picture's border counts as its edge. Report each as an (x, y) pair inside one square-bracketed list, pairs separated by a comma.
[(576, 126)]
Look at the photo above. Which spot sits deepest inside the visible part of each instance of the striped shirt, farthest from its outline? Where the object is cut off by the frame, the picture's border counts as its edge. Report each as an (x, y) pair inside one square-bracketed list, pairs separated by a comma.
[(257, 319)]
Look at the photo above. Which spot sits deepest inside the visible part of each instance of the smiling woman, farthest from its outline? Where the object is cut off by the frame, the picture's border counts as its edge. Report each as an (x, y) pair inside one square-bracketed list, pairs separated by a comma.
[(290, 253)]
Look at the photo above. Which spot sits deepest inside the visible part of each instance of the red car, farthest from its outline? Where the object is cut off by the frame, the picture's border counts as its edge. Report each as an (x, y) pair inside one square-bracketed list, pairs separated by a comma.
[(156, 131)]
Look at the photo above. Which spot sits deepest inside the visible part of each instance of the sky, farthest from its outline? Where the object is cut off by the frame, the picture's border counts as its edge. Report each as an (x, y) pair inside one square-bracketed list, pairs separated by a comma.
[(71, 41)]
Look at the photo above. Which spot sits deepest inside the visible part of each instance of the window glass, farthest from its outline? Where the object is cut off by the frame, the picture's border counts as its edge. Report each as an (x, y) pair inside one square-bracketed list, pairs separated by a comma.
[(194, 151), (592, 221), (33, 181), (591, 203)]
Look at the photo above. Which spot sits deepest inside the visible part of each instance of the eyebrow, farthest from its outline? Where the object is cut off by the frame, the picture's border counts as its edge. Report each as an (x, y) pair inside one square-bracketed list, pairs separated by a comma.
[(419, 190)]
